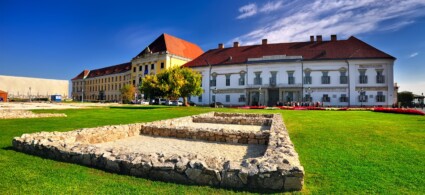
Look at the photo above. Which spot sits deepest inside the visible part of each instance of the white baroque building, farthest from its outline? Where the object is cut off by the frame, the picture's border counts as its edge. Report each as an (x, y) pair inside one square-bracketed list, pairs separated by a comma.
[(334, 73)]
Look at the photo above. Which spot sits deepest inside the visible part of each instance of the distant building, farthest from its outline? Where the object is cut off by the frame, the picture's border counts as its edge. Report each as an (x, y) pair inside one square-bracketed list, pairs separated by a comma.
[(26, 87), (334, 73), (104, 84)]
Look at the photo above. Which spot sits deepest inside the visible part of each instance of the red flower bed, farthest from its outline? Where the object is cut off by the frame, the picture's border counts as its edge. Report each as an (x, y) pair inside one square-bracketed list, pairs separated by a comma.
[(399, 111), (252, 107)]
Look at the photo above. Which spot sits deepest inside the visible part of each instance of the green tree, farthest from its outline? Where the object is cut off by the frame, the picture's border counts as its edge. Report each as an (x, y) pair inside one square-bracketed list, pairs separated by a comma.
[(127, 93), (405, 98), (173, 83)]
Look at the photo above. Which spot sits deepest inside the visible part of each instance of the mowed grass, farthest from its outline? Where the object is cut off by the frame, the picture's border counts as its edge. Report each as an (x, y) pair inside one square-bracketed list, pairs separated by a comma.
[(343, 152)]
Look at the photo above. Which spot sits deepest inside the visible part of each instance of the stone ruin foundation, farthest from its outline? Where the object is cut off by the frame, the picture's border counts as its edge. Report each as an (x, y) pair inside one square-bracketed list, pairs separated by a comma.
[(230, 150)]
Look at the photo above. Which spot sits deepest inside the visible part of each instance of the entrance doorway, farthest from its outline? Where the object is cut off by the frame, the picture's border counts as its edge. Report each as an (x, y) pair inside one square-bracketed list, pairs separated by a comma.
[(273, 97)]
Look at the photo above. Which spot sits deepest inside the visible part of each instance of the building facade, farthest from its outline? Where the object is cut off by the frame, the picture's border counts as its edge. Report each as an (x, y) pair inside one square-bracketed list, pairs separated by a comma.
[(331, 73), (33, 88), (104, 84)]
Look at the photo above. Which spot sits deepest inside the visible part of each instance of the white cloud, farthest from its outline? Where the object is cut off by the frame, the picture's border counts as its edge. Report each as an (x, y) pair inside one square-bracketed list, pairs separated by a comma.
[(252, 9), (413, 55), (271, 6), (247, 10), (344, 18)]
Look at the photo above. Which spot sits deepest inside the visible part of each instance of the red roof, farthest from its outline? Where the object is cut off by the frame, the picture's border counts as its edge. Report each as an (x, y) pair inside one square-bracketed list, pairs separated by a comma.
[(3, 92), (120, 68), (81, 75), (352, 48), (175, 46)]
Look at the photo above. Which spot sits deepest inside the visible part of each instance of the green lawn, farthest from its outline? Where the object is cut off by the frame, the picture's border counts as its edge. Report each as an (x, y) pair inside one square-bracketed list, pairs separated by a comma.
[(343, 152)]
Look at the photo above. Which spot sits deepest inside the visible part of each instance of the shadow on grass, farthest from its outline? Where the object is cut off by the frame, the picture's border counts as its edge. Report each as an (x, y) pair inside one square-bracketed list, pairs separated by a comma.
[(135, 107), (8, 148)]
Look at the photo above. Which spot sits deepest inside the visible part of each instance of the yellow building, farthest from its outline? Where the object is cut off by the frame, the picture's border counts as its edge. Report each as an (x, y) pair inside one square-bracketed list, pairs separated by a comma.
[(166, 51), (104, 84)]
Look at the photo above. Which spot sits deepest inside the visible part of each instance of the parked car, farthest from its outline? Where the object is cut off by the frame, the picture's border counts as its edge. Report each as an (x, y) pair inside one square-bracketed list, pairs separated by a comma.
[(169, 102), (177, 103), (158, 101), (216, 105), (191, 103)]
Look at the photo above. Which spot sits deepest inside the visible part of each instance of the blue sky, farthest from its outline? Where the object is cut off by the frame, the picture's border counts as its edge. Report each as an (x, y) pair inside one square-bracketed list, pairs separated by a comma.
[(58, 39)]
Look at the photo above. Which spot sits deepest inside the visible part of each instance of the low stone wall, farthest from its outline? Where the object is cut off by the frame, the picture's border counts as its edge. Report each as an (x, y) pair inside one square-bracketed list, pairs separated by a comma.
[(180, 128), (279, 168)]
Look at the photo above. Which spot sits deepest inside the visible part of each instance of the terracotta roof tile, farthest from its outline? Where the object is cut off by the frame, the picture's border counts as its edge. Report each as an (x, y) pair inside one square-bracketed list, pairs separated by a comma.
[(82, 75), (175, 46), (352, 48), (115, 69)]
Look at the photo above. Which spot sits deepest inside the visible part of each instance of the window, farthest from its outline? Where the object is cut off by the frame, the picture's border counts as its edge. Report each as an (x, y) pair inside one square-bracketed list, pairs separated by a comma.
[(363, 97), (227, 98), (213, 81), (134, 69), (200, 98), (380, 97), (291, 78), (152, 66), (257, 79), (326, 98), (343, 98), (363, 77), (307, 78), (326, 79), (308, 98), (162, 65), (272, 80), (140, 68), (241, 98), (201, 81), (343, 79), (213, 98), (380, 78), (140, 80), (242, 79), (146, 70), (227, 79)]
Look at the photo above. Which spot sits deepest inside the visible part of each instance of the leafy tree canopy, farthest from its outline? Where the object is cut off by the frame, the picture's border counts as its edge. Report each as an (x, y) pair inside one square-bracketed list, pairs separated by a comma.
[(127, 93), (173, 83)]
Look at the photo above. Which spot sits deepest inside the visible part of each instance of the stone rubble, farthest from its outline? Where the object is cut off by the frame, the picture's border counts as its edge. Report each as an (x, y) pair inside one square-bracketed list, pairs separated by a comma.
[(13, 114), (278, 169)]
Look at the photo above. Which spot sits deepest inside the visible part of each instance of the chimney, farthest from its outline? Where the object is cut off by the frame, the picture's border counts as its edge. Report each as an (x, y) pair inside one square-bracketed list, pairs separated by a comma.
[(236, 44), (319, 38), (264, 41), (312, 38), (333, 37), (220, 46)]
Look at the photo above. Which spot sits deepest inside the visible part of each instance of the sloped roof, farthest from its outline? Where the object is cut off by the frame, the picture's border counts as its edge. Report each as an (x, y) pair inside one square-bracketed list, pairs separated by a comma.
[(3, 92), (82, 75), (115, 69), (352, 48), (173, 45)]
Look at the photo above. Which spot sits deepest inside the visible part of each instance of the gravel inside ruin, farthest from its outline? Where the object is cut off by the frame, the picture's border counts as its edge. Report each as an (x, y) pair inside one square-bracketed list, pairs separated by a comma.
[(150, 144), (240, 128)]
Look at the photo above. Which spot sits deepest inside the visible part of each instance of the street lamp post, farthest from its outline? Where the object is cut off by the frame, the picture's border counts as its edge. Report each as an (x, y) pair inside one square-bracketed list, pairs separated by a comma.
[(214, 92), (361, 96), (309, 96), (30, 94), (259, 96)]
